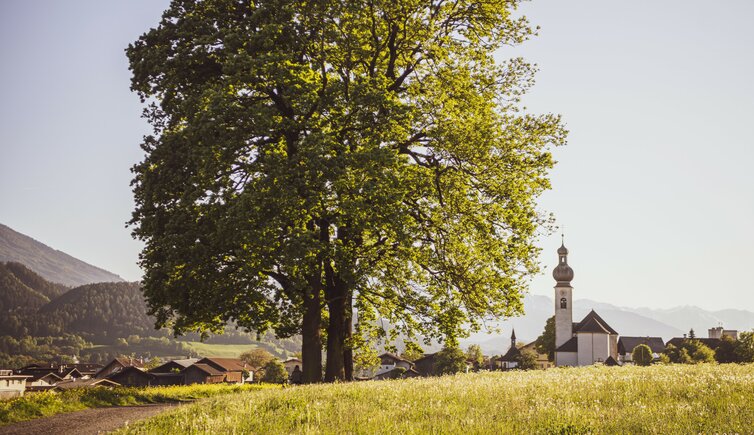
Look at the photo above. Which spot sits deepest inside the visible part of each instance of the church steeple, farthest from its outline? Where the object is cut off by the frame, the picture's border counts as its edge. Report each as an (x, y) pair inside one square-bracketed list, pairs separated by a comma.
[(513, 339), (563, 275)]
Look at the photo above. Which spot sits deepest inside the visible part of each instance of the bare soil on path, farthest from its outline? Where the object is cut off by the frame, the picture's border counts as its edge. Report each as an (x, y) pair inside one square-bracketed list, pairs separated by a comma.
[(88, 422)]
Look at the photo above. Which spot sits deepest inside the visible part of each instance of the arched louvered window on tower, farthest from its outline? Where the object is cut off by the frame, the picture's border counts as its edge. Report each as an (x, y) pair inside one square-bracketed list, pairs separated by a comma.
[(563, 303)]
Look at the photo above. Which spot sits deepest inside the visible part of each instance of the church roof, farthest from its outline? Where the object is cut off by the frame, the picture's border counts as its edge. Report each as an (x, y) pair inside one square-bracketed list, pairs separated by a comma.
[(627, 344), (512, 355), (571, 345), (592, 322)]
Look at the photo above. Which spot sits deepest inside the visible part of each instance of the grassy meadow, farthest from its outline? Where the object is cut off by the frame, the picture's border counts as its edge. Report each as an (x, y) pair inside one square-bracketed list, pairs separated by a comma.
[(219, 350), (45, 404), (660, 399)]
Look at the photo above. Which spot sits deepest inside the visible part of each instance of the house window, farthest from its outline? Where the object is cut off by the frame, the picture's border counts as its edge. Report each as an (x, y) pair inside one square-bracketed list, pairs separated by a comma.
[(563, 303)]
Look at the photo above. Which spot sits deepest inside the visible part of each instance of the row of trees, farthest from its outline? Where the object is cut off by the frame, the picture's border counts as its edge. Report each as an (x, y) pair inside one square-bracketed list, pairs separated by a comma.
[(692, 351), (317, 168)]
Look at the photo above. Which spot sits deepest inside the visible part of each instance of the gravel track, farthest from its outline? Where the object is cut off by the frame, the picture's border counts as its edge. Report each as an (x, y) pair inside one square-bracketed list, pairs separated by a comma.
[(87, 422)]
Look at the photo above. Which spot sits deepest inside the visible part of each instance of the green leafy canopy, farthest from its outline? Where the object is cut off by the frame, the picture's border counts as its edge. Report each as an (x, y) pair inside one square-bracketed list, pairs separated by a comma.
[(370, 150)]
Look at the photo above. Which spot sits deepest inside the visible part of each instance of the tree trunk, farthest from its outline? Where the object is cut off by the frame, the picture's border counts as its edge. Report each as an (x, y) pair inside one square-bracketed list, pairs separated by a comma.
[(311, 346), (334, 368), (348, 324)]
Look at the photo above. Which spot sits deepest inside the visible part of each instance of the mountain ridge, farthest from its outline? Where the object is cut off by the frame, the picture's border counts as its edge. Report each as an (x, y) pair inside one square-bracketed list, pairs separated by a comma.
[(51, 264)]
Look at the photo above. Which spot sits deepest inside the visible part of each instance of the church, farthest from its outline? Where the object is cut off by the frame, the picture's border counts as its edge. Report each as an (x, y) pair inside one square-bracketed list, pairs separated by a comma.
[(584, 343)]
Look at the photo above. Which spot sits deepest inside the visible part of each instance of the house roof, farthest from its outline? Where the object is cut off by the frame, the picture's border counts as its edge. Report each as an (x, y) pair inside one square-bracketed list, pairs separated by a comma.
[(627, 344), (53, 377), (426, 356), (128, 369), (388, 355), (292, 360), (712, 343), (176, 363), (225, 364), (59, 371), (571, 345), (208, 369), (610, 361), (128, 362), (86, 367), (86, 383), (592, 322)]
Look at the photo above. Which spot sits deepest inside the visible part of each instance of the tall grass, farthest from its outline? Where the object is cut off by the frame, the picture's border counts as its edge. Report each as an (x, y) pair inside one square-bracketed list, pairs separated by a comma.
[(657, 399), (35, 405)]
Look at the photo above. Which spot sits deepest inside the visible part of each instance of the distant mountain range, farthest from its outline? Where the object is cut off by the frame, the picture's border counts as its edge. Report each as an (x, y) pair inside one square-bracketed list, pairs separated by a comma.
[(53, 265), (665, 323)]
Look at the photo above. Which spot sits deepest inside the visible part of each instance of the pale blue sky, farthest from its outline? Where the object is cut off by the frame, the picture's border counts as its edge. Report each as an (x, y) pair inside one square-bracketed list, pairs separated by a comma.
[(655, 188)]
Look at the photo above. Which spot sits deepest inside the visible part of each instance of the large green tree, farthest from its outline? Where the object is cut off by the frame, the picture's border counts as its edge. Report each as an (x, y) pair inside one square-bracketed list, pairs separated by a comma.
[(315, 159), (545, 343)]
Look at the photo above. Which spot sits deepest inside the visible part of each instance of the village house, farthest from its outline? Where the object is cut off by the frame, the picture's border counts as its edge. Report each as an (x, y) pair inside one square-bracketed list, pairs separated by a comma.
[(42, 382), (118, 364), (425, 365), (390, 361), (718, 332), (291, 363), (235, 370), (174, 366), (397, 373), (712, 343), (12, 385), (511, 358), (542, 361), (83, 383), (61, 371), (202, 374), (626, 346)]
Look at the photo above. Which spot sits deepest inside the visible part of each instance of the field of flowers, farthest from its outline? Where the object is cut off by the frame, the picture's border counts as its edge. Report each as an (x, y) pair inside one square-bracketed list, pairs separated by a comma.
[(691, 399)]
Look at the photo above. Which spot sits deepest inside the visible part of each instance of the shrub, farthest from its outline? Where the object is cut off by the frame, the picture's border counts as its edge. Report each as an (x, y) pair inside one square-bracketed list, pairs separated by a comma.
[(450, 360), (275, 373), (642, 355)]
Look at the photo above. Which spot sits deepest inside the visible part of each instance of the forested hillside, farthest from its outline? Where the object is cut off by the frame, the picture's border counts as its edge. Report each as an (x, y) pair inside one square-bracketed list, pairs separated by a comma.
[(53, 265), (98, 312), (42, 321), (15, 296)]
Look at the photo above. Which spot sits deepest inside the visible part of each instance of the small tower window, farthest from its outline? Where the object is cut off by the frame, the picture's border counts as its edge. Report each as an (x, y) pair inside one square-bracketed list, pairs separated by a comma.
[(563, 303)]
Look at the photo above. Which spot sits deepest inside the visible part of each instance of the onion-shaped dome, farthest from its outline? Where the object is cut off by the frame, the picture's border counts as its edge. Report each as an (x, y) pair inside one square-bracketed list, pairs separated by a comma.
[(563, 273)]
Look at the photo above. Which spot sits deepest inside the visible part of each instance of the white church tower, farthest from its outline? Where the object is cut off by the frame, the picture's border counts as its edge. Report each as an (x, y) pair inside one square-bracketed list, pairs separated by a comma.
[(563, 275)]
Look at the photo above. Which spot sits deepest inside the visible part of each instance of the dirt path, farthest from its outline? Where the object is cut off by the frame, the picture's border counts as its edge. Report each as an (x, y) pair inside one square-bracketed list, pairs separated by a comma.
[(90, 421)]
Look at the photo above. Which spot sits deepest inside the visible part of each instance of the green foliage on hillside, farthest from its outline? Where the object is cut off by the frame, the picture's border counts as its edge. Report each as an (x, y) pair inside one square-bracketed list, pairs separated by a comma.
[(33, 280), (660, 399), (100, 312), (16, 353), (15, 295)]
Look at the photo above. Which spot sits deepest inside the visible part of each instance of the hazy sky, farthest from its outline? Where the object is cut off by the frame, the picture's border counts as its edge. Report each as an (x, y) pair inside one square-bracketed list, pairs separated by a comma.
[(655, 187)]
